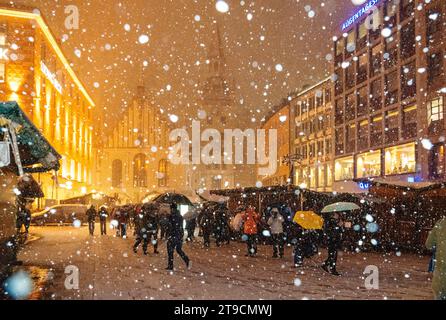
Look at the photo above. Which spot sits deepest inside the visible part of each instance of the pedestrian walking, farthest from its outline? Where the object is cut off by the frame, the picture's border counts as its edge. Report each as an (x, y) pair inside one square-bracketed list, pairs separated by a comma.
[(91, 216), (151, 223), (333, 230), (250, 220), (221, 224), (175, 234), (437, 240), (207, 224), (191, 225), (140, 232), (276, 224), (103, 215)]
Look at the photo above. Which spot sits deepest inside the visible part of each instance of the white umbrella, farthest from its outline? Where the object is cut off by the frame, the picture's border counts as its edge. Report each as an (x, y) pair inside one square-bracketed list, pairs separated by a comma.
[(341, 207)]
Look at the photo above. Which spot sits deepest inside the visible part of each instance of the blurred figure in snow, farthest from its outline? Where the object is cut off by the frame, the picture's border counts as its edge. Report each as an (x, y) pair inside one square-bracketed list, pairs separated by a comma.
[(91, 216), (250, 219), (276, 224), (175, 234), (221, 224), (103, 215), (333, 230), (207, 224), (437, 240), (190, 228)]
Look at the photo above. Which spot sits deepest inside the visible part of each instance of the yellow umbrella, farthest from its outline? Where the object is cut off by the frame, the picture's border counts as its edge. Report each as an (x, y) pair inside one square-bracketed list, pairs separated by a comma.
[(309, 220)]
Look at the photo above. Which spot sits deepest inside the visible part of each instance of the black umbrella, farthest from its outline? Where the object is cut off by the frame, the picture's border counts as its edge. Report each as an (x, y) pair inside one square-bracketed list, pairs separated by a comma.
[(29, 188), (170, 198)]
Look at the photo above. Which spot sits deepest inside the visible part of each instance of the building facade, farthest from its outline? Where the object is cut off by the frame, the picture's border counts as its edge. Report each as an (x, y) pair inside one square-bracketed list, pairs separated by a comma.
[(35, 73), (279, 119), (220, 112), (313, 137), (134, 159), (389, 94)]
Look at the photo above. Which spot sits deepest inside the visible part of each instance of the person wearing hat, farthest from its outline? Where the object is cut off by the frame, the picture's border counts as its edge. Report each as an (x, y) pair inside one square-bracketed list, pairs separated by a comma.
[(276, 224), (175, 234)]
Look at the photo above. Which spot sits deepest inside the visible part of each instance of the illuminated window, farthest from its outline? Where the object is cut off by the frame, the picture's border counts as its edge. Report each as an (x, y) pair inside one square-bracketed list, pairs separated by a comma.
[(400, 159), (344, 169), (117, 173), (2, 73), (368, 164), (351, 41), (321, 176), (329, 175), (340, 47), (313, 178), (139, 171), (162, 171), (362, 30), (435, 110)]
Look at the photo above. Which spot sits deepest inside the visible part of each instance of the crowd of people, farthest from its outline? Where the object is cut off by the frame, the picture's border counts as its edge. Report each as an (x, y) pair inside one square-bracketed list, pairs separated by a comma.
[(275, 227), (214, 221)]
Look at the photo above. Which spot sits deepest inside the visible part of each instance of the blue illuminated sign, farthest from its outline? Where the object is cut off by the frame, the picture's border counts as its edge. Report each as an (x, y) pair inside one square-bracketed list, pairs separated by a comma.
[(364, 185), (369, 5)]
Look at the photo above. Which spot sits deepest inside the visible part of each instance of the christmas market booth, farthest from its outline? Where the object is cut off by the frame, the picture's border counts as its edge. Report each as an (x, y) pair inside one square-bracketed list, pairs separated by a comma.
[(23, 151)]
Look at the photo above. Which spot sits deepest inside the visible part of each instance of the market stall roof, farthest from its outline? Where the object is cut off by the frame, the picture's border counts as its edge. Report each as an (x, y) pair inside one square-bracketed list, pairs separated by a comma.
[(36, 153), (417, 186)]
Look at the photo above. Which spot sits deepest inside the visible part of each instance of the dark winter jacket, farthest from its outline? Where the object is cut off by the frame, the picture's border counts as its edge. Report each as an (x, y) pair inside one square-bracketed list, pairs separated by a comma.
[(207, 221), (91, 214), (333, 232), (175, 230)]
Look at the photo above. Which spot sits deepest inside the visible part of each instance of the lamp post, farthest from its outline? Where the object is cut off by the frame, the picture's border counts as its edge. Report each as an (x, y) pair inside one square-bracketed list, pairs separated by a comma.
[(290, 161)]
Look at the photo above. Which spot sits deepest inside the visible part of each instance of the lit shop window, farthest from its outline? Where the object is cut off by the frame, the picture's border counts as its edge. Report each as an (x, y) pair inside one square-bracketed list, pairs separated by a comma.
[(329, 175), (400, 159), (2, 72), (321, 176), (368, 164), (2, 37), (435, 110), (313, 177), (344, 169)]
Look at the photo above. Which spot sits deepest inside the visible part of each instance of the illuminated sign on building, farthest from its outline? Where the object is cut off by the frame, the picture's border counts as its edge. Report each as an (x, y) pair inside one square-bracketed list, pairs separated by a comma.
[(366, 8), (51, 77), (364, 185)]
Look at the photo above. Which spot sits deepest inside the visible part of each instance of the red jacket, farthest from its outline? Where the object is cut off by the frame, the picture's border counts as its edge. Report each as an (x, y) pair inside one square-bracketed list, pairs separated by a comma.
[(250, 218)]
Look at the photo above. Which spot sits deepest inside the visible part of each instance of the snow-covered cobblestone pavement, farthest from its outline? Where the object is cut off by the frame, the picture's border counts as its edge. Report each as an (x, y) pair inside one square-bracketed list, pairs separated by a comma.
[(108, 269)]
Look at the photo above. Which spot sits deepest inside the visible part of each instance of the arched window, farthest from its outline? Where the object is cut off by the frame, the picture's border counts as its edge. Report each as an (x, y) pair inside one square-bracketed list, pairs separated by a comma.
[(139, 171), (162, 172), (117, 173)]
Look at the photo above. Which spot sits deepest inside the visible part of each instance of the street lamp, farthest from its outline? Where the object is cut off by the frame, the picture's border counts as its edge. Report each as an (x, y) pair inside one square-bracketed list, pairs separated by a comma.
[(290, 161)]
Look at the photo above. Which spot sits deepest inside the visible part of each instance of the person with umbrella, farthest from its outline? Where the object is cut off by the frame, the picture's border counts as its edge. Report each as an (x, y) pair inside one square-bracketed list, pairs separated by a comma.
[(305, 224), (103, 215), (333, 230), (175, 234), (276, 224), (91, 216)]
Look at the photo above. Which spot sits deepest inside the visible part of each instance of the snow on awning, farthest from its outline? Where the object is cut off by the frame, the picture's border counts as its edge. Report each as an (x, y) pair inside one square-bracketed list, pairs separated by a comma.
[(36, 153)]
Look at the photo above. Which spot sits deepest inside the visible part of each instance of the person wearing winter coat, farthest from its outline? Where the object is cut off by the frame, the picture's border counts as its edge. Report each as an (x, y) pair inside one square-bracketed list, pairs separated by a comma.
[(91, 216), (207, 225), (250, 220), (152, 225), (276, 224), (333, 230), (221, 225), (103, 215), (437, 239), (175, 234)]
